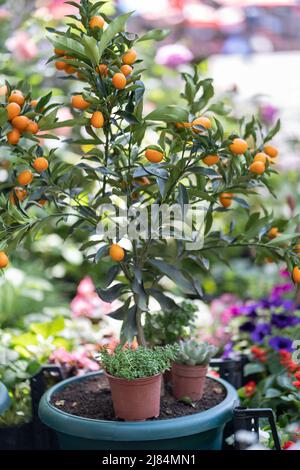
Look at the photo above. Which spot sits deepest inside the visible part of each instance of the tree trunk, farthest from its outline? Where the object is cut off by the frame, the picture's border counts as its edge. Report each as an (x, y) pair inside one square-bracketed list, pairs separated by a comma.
[(140, 331)]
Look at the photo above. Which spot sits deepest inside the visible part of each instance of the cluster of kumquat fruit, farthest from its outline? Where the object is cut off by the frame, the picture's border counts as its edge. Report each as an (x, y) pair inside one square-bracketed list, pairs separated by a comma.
[(21, 116), (23, 119)]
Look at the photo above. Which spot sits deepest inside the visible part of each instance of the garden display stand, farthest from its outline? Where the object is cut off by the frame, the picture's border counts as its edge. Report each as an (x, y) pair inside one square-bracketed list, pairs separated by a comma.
[(247, 419)]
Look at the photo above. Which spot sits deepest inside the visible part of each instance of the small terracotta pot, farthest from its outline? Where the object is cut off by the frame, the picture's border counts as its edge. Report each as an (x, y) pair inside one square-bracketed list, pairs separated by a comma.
[(135, 400), (188, 381)]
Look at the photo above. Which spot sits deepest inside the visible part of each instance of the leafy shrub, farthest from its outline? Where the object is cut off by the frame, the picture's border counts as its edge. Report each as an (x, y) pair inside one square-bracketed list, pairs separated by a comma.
[(167, 327), (133, 364)]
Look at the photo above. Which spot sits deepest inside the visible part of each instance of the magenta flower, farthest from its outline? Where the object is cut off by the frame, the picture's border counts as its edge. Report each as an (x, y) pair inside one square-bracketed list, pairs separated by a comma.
[(284, 273), (173, 55)]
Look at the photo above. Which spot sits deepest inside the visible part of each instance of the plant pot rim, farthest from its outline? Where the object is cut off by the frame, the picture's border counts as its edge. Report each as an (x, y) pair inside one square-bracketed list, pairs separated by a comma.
[(139, 380), (4, 398), (96, 429), (190, 366)]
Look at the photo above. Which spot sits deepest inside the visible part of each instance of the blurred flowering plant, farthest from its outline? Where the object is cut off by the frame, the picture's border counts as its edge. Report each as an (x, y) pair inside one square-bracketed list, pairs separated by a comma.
[(77, 362), (88, 304)]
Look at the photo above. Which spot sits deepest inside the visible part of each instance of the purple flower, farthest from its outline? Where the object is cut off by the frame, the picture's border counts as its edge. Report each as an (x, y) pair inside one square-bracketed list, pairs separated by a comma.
[(248, 326), (228, 348), (281, 320), (261, 330), (279, 342), (268, 113), (173, 55), (249, 310), (265, 303)]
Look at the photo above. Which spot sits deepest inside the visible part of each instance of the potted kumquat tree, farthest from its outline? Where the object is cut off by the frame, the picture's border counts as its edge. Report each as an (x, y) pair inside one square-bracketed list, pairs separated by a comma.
[(176, 155)]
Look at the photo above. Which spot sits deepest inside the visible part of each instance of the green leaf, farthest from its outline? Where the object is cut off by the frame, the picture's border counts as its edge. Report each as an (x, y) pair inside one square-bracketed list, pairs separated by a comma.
[(120, 313), (71, 46), (241, 202), (49, 328), (138, 288), (3, 117), (207, 93), (183, 197), (112, 274), (285, 382), (91, 49), (47, 125), (256, 226), (220, 108), (174, 274), (170, 113), (273, 131), (167, 304), (43, 102), (115, 27), (253, 369), (273, 393), (103, 251), (111, 294), (129, 331), (129, 117), (155, 34), (283, 238)]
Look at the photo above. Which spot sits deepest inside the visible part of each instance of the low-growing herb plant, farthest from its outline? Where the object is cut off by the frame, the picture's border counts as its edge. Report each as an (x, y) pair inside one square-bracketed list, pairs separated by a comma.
[(194, 353), (168, 327), (128, 363)]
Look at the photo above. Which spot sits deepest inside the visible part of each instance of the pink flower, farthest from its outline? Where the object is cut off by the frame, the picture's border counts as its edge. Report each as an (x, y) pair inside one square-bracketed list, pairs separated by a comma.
[(79, 360), (81, 307), (22, 46), (86, 286), (56, 9), (61, 356), (87, 303)]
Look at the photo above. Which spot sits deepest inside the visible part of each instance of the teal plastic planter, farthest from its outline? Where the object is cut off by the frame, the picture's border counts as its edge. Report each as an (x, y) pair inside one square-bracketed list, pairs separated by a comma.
[(200, 431), (4, 398)]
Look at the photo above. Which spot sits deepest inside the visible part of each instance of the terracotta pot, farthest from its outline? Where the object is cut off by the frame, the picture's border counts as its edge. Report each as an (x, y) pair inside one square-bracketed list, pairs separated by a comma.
[(135, 400), (188, 381)]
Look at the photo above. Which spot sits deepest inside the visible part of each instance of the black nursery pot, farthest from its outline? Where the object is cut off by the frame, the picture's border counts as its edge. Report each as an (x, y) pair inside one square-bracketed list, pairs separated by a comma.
[(17, 437), (198, 431)]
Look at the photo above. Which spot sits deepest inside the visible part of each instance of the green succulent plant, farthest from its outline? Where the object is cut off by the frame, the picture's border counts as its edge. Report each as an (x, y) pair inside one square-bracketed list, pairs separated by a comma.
[(195, 353)]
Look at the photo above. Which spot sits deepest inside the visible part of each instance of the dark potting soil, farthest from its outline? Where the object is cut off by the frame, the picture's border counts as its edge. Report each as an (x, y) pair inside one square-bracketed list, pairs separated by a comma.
[(91, 398)]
